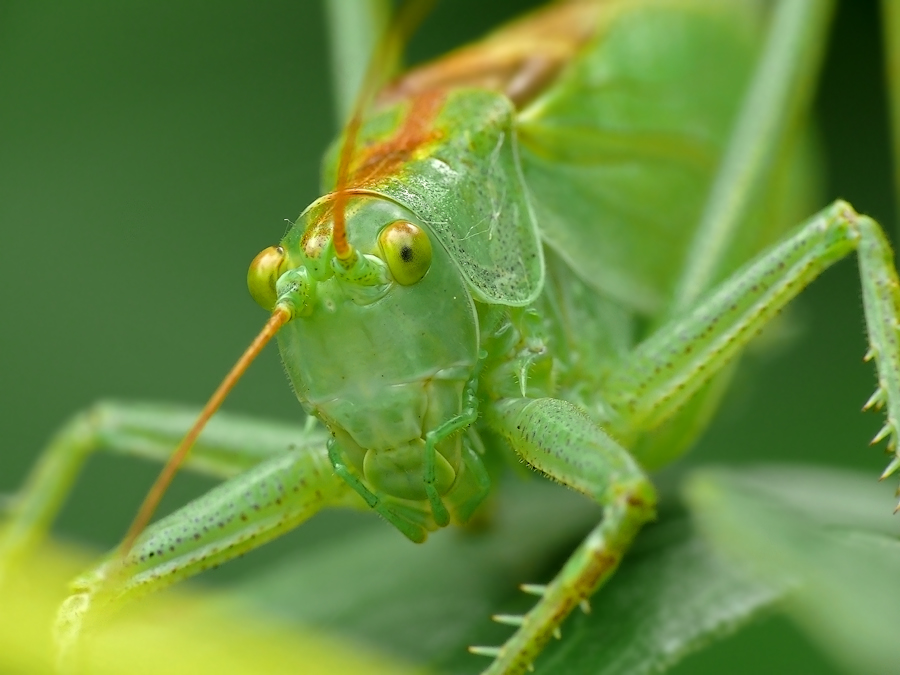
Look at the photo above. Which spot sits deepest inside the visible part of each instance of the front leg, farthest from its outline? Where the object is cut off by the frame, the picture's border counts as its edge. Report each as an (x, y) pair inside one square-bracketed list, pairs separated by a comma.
[(558, 439), (237, 516), (230, 445), (468, 415), (412, 521)]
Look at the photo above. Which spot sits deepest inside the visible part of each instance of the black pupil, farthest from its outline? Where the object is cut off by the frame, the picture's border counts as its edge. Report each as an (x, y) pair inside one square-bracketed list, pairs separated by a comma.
[(406, 253)]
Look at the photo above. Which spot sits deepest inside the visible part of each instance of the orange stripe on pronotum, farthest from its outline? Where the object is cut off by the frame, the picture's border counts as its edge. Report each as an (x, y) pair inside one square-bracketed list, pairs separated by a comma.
[(408, 17)]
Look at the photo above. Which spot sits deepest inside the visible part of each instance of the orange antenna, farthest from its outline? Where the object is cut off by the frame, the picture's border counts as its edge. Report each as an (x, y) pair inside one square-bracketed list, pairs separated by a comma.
[(404, 23), (279, 317)]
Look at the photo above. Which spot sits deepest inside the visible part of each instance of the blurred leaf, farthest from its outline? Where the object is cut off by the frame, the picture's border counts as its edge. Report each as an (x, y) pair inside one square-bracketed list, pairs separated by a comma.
[(829, 535), (427, 603), (814, 541), (175, 632)]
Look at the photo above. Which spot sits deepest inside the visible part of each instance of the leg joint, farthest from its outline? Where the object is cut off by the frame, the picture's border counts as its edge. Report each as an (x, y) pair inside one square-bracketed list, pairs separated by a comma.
[(637, 497)]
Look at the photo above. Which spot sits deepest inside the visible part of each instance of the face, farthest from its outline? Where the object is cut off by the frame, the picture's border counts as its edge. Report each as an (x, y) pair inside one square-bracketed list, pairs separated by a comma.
[(381, 356)]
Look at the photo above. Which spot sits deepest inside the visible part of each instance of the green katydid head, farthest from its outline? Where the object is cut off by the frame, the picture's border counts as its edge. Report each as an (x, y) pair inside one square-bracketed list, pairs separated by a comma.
[(349, 317), (403, 255), (381, 343)]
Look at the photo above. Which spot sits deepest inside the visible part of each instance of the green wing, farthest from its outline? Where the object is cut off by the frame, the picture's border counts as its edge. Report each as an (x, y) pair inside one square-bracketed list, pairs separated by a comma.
[(620, 152)]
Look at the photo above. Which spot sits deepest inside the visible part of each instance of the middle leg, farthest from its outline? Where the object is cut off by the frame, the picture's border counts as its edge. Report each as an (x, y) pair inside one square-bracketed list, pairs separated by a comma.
[(559, 440)]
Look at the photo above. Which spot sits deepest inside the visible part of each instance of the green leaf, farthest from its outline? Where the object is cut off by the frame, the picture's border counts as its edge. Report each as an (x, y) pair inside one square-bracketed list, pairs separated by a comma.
[(829, 535), (815, 542), (177, 633), (427, 603)]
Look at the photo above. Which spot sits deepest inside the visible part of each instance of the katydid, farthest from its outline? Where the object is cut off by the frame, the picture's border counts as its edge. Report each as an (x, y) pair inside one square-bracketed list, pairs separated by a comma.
[(557, 259)]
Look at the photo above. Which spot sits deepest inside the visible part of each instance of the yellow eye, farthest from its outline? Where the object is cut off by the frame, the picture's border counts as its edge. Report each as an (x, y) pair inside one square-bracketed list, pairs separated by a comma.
[(264, 271), (406, 250)]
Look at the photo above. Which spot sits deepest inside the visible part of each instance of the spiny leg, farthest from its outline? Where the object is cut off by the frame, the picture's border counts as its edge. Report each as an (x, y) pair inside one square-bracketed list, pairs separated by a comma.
[(230, 445), (663, 372), (237, 516), (560, 440)]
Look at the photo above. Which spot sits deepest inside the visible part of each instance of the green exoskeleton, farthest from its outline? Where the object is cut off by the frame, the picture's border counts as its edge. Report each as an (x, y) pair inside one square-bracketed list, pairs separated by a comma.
[(549, 246)]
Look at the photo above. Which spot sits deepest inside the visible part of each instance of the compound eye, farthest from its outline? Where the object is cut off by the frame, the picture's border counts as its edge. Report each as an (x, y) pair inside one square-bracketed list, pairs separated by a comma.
[(264, 271), (406, 250)]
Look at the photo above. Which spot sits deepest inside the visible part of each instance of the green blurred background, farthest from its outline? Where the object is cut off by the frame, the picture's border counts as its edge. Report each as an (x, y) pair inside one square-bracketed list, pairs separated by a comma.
[(149, 150)]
